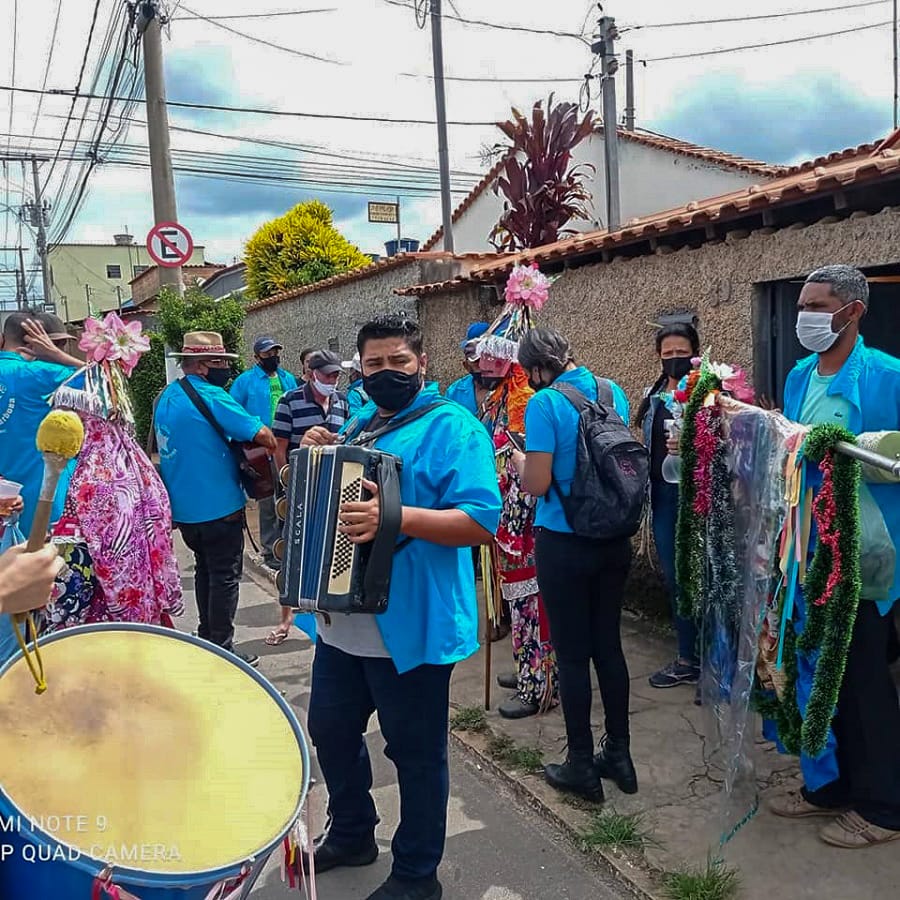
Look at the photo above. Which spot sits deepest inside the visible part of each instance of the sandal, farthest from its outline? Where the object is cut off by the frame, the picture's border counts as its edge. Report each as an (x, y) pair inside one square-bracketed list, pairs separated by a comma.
[(276, 637)]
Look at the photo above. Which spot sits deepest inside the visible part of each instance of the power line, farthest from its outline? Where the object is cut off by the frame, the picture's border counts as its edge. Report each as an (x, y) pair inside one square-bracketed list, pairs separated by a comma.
[(756, 18), (265, 43), (481, 79), (37, 115), (496, 25), (252, 110), (268, 15), (796, 40), (15, 41)]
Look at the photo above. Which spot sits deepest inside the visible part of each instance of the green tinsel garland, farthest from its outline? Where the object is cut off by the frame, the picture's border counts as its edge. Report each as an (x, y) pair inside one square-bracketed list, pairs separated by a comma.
[(784, 713), (690, 552)]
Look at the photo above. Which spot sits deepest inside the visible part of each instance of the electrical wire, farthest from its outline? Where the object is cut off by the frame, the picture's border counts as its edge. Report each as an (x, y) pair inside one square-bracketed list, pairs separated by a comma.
[(37, 115), (796, 40), (12, 100), (754, 18), (255, 110), (268, 15), (490, 79), (265, 43)]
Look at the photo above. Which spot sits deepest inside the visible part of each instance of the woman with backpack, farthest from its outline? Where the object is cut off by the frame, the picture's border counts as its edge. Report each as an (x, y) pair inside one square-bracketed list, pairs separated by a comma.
[(581, 577), (676, 345)]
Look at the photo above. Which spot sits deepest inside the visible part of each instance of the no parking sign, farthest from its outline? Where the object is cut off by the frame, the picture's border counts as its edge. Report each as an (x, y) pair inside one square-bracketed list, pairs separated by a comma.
[(169, 244)]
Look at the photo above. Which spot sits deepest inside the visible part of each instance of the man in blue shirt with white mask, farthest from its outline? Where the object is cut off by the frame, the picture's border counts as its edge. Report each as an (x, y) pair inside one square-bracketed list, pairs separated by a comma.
[(399, 663), (259, 390), (856, 781), (201, 476)]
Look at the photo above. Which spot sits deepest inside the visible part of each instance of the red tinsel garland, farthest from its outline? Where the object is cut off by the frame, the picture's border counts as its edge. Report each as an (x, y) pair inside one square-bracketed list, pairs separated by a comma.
[(825, 513), (705, 445)]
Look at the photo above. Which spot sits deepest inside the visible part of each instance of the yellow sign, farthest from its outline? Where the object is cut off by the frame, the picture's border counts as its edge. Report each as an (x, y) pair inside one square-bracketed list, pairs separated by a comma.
[(385, 213)]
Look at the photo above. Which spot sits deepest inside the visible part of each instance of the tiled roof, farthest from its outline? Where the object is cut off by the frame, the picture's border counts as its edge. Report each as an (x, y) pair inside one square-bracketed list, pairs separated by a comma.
[(375, 268), (437, 287), (647, 138), (848, 169)]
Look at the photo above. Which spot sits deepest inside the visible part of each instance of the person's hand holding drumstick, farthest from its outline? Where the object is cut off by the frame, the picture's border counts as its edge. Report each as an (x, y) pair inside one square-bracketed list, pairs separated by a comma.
[(26, 579)]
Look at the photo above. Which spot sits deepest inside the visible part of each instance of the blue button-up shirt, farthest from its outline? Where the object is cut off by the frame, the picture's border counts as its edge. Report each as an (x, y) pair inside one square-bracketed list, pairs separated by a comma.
[(448, 463), (197, 467), (870, 381), (253, 391), (24, 391), (462, 391)]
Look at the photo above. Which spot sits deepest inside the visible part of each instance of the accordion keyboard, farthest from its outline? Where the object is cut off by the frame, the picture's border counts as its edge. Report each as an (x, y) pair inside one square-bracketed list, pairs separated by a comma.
[(344, 550)]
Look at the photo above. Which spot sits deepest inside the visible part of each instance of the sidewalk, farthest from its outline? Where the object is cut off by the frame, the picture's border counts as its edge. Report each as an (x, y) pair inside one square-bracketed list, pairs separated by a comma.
[(679, 792)]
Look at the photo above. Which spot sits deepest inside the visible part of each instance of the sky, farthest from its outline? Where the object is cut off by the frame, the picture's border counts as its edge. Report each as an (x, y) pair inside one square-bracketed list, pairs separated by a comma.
[(780, 104)]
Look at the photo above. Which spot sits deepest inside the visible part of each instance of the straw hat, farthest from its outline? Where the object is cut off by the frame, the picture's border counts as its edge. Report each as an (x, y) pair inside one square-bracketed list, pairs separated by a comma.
[(203, 344)]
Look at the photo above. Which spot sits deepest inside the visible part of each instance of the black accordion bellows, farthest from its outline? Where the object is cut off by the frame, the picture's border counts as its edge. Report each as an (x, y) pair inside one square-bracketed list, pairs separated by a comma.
[(322, 570)]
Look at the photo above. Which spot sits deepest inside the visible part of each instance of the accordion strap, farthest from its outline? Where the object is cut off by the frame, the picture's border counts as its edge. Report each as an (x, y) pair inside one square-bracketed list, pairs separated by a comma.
[(361, 438)]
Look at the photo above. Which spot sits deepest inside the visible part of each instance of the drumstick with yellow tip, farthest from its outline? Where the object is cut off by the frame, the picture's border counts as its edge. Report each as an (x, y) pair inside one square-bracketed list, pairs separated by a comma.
[(59, 438)]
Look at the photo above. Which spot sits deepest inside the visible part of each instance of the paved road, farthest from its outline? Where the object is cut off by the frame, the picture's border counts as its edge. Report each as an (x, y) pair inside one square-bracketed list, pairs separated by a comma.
[(496, 848)]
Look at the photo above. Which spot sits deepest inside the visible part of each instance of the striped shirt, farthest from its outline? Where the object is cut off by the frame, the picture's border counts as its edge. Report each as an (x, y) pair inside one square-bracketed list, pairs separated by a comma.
[(297, 412)]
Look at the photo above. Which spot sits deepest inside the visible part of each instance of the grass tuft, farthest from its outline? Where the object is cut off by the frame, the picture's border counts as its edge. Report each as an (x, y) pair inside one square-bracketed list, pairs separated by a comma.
[(609, 828), (503, 750), (716, 882), (469, 718)]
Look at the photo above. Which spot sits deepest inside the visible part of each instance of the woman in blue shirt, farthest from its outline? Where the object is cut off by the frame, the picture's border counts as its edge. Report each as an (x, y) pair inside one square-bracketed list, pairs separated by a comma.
[(582, 580)]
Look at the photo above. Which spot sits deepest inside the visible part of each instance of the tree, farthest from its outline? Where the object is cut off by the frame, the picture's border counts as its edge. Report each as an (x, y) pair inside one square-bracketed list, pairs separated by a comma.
[(195, 311), (542, 191), (296, 249)]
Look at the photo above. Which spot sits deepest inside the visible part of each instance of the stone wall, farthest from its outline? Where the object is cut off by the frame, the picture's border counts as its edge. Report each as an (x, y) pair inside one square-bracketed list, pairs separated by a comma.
[(444, 319), (333, 315)]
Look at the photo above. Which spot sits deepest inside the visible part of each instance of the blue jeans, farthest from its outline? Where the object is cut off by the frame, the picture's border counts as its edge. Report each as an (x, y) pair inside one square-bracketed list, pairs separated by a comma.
[(664, 504), (413, 711)]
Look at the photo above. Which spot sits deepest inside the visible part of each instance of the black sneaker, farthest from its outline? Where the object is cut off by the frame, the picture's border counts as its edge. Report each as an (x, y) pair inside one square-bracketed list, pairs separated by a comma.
[(420, 889), (331, 856), (675, 674), (574, 777), (517, 708), (508, 680), (250, 658)]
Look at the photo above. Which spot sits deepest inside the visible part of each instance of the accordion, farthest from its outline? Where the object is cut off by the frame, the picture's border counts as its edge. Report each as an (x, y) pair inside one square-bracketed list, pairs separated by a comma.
[(322, 570)]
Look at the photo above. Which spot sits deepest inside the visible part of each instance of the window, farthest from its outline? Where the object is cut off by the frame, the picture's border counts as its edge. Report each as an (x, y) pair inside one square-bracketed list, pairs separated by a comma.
[(113, 271), (139, 269), (334, 345)]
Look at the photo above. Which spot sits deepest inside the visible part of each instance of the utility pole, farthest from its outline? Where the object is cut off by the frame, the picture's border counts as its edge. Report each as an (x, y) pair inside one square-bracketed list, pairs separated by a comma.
[(437, 50), (24, 302), (87, 294), (38, 220), (161, 176), (399, 238), (629, 89), (605, 48), (895, 36), (119, 297)]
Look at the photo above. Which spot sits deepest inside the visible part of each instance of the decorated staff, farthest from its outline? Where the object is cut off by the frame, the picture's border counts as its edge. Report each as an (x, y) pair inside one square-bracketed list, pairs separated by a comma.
[(508, 563)]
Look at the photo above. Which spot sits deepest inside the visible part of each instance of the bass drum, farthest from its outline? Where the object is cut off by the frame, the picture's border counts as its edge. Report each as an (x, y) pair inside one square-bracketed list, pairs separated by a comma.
[(155, 763)]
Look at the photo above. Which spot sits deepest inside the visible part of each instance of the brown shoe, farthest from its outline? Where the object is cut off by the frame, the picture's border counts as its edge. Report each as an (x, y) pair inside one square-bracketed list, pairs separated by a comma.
[(794, 805), (852, 832)]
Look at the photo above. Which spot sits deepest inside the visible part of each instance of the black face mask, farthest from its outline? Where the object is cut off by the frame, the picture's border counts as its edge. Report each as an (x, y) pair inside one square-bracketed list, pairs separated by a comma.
[(484, 381), (218, 377), (392, 390), (270, 365), (677, 367)]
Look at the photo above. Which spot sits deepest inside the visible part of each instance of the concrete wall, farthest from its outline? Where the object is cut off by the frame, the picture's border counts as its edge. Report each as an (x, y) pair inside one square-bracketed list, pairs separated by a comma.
[(651, 180), (332, 315)]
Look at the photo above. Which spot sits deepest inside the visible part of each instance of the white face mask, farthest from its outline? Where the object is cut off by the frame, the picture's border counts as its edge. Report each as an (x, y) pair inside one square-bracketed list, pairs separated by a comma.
[(815, 332), (326, 390)]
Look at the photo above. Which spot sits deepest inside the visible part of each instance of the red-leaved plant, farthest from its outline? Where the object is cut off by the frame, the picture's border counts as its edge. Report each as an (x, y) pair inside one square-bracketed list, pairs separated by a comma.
[(542, 191)]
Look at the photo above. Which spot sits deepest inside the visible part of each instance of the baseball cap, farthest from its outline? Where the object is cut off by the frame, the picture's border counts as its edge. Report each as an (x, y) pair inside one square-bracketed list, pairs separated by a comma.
[(476, 330), (324, 361), (261, 345), (352, 365)]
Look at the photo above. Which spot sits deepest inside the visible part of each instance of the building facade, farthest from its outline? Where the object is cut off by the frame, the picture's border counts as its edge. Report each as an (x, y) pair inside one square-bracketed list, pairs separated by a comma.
[(98, 273)]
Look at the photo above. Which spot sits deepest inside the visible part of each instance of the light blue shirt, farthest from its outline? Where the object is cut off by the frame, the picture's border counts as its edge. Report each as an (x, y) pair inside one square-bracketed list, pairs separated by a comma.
[(551, 426), (820, 407), (448, 463), (869, 383), (252, 390), (462, 391), (24, 391), (197, 467)]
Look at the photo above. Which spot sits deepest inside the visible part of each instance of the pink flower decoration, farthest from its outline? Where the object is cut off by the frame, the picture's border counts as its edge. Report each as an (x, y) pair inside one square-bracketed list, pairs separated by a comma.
[(737, 386), (527, 286), (112, 340)]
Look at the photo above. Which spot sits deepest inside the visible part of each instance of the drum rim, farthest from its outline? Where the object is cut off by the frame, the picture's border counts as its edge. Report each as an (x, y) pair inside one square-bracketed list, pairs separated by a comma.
[(144, 877)]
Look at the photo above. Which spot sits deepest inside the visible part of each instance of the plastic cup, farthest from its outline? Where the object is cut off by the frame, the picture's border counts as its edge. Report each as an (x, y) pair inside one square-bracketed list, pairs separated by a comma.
[(9, 490)]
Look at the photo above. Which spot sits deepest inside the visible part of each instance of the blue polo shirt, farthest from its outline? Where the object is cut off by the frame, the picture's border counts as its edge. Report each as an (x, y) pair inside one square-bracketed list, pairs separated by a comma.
[(252, 389), (551, 426), (197, 467), (24, 391), (357, 398), (448, 463), (462, 391)]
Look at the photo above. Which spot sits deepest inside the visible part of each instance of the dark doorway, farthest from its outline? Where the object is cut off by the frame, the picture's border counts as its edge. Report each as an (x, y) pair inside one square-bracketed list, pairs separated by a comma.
[(776, 346)]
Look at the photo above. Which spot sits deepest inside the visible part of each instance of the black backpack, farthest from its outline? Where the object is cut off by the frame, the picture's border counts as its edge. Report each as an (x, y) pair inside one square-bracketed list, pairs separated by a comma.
[(612, 469)]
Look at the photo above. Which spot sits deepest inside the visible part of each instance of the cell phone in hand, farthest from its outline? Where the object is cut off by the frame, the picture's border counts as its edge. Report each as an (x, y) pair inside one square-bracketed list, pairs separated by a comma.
[(515, 441)]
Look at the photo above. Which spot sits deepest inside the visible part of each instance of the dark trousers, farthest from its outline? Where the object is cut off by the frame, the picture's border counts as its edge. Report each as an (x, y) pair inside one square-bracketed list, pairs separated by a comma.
[(218, 549), (664, 505), (413, 712), (867, 728), (583, 582)]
